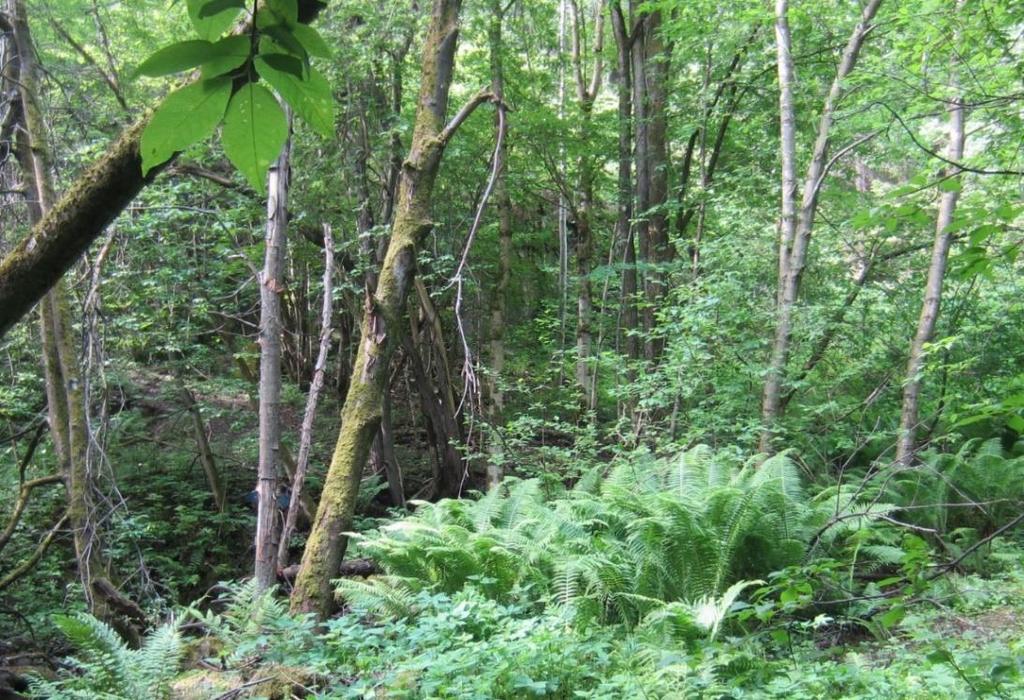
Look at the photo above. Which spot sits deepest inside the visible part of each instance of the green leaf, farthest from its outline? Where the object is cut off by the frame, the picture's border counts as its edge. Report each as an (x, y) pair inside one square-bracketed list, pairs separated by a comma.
[(211, 18), (1007, 212), (176, 58), (950, 185), (310, 98), (255, 129), (892, 617), (287, 10), (285, 41), (311, 41), (284, 63), (185, 117), (232, 52)]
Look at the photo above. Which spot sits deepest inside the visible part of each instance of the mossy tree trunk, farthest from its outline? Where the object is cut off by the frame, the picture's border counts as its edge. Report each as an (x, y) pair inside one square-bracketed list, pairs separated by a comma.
[(66, 404), (362, 412)]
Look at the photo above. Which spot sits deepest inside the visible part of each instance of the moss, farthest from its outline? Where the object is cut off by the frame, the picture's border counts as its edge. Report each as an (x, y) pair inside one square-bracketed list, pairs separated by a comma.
[(382, 321)]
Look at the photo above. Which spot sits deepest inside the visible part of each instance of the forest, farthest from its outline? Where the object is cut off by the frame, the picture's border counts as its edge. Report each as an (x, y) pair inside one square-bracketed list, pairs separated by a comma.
[(511, 349)]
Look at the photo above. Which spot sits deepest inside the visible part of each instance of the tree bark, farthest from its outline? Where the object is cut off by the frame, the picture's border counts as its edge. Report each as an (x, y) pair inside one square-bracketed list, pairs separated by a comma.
[(95, 199), (64, 389), (271, 287), (499, 295), (906, 441), (624, 207), (363, 407), (651, 58), (586, 92), (796, 228)]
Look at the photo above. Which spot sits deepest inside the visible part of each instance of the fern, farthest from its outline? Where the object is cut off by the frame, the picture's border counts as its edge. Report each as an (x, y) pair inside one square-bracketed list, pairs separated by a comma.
[(107, 669), (676, 530)]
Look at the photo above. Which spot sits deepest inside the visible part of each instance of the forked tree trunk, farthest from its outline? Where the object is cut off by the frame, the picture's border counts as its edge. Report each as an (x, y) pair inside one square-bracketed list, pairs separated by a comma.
[(906, 441), (796, 227), (67, 230), (382, 316), (271, 287)]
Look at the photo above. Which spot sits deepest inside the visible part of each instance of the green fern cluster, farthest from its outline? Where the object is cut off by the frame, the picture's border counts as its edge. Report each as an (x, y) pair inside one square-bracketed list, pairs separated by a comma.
[(979, 487), (254, 624), (615, 547), (106, 669)]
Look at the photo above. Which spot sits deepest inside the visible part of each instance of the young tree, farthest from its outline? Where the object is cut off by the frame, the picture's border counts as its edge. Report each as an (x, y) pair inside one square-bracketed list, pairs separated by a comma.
[(796, 227), (910, 408)]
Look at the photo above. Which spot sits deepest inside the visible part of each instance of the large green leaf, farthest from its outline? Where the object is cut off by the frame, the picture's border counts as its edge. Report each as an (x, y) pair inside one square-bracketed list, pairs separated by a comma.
[(311, 41), (310, 97), (255, 129), (231, 52), (211, 18), (177, 57), (185, 117)]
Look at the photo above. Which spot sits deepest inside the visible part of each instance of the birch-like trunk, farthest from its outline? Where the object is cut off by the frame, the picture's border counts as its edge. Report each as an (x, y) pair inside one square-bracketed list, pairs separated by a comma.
[(906, 441), (271, 287), (796, 227)]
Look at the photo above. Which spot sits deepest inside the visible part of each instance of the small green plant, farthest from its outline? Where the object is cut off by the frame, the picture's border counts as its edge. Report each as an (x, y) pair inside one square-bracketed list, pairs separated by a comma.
[(104, 668)]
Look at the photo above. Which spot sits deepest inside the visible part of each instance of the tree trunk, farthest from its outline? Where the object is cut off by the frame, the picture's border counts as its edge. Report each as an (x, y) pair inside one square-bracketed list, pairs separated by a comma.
[(65, 398), (906, 443), (499, 295), (584, 237), (623, 221), (796, 229), (650, 77), (271, 287), (67, 230), (362, 412)]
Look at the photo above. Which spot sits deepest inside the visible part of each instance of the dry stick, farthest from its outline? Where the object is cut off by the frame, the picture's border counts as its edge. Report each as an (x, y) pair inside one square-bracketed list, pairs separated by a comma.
[(205, 453), (470, 384), (306, 435)]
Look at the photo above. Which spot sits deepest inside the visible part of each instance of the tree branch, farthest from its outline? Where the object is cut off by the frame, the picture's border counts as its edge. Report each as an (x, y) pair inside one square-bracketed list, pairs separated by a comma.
[(485, 95), (27, 565)]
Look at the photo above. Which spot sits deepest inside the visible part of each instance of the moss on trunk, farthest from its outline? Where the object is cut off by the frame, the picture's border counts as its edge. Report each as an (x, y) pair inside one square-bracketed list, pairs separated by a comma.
[(363, 410)]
